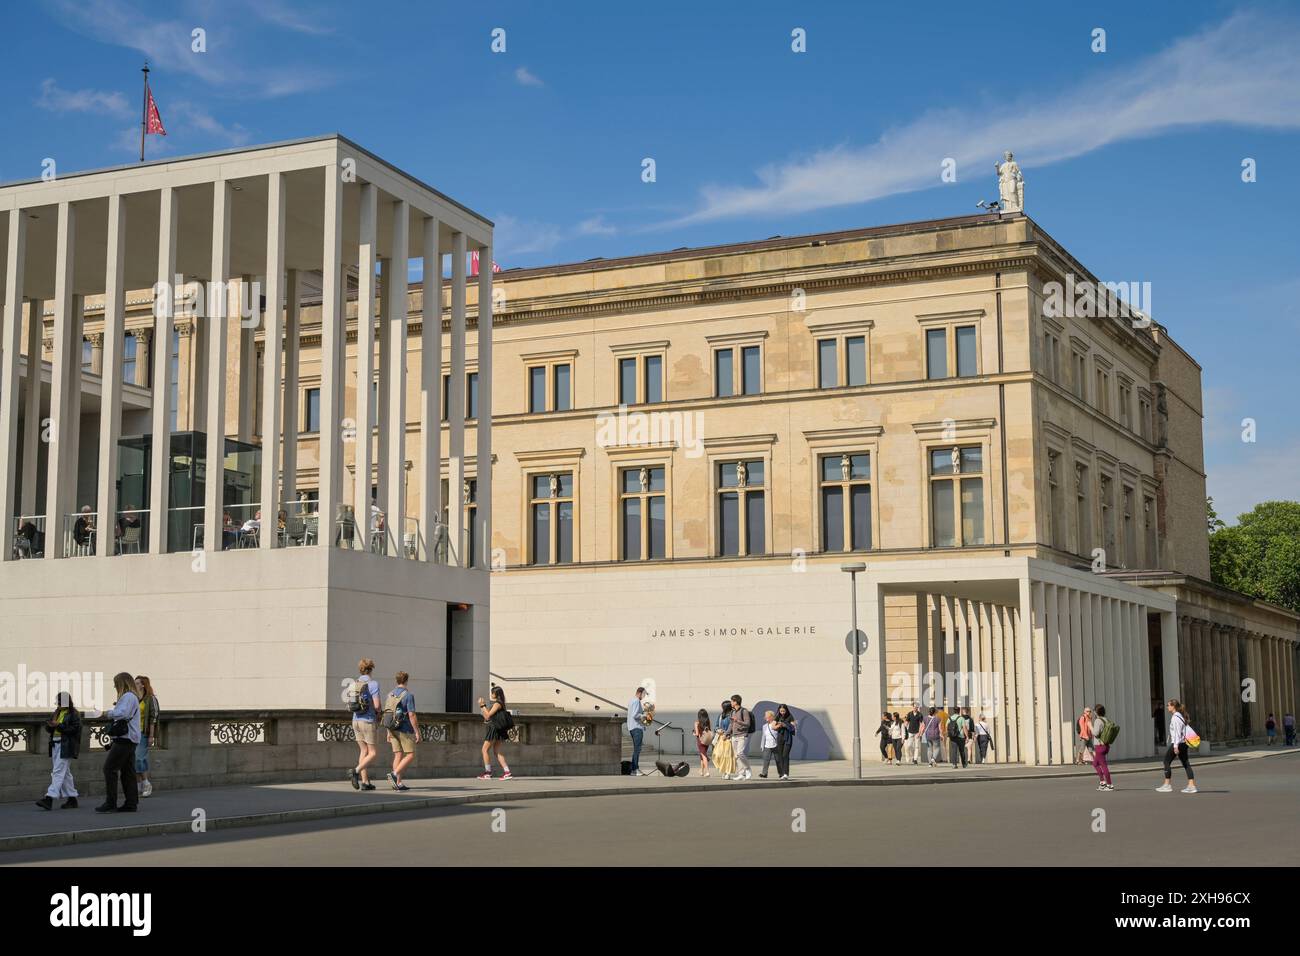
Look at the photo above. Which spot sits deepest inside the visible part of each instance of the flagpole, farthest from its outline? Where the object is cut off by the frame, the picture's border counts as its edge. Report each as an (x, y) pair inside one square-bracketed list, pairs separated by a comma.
[(144, 109)]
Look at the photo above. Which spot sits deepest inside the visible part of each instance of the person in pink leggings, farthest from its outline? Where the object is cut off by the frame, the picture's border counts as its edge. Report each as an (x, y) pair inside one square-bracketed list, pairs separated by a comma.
[(1099, 749)]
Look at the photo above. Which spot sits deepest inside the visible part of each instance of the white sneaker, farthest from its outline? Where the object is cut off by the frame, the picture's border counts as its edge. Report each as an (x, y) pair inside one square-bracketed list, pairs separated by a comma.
[(726, 776), (1164, 788), (705, 774), (785, 776), (1101, 786), (146, 789), (748, 774), (1190, 790)]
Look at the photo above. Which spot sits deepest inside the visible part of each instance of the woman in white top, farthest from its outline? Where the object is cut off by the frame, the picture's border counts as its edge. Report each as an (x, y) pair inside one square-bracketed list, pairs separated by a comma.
[(1179, 729), (120, 763), (897, 733)]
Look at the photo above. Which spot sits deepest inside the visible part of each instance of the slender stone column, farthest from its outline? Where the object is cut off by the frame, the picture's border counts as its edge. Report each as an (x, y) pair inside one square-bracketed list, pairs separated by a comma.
[(1170, 659), (292, 332), (366, 411), (10, 346), (431, 391), (59, 481), (143, 356), (1042, 714), (273, 327), (332, 350), (164, 308), (387, 284), (96, 340), (395, 396), (1026, 677), (246, 330), (456, 404), (198, 370), (1239, 725), (483, 445), (218, 339), (110, 406), (32, 443)]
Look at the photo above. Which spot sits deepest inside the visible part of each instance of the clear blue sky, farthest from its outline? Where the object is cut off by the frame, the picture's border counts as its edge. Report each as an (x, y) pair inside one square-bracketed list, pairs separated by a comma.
[(1132, 157)]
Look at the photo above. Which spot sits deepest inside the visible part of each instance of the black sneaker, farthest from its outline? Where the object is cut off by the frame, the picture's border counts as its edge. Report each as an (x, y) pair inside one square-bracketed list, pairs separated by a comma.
[(127, 809), (45, 803), (392, 778), (367, 786), (402, 787), (69, 804), (355, 777), (106, 808)]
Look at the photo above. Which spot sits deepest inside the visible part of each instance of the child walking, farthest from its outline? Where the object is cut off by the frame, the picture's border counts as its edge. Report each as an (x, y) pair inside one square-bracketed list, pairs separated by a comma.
[(65, 743)]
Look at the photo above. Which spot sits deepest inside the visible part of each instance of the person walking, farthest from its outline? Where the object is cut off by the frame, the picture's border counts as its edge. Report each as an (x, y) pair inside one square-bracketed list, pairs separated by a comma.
[(1101, 747), (1180, 733), (957, 739), (915, 720), (636, 727), (1270, 729), (1288, 726), (983, 740), (742, 725), (124, 731), (771, 744), (886, 744), (403, 728), (787, 730), (897, 733), (703, 734), (64, 726), (363, 701), (149, 722), (932, 730), (1083, 737), (723, 756), (968, 725), (499, 724), (943, 731)]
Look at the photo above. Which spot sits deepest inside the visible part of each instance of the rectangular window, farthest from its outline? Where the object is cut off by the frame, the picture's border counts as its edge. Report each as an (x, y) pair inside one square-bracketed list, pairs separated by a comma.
[(967, 363), (741, 508), (654, 378), (1080, 376), (1144, 417), (562, 387), (1149, 532), (1081, 510), (855, 360), (551, 504), (751, 358), (537, 388), (846, 502), (627, 381), (1130, 557), (446, 398), (936, 353), (827, 364), (957, 513), (128, 359), (1125, 405), (643, 509), (471, 395), (311, 411), (723, 373)]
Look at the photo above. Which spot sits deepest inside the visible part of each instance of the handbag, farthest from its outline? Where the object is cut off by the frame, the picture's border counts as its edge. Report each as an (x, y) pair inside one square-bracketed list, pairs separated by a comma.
[(1192, 738), (706, 737)]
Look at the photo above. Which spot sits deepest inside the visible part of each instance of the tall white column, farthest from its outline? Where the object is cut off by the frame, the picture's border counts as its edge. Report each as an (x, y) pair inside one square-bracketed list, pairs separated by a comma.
[(456, 405), (15, 268), (110, 407), (292, 331), (366, 411), (483, 446), (1000, 705), (32, 444), (1052, 670), (1080, 688), (395, 380), (246, 329), (1027, 627), (431, 391), (67, 357), (332, 351), (143, 355), (273, 329), (164, 308), (1169, 661), (389, 281), (1011, 736), (218, 311)]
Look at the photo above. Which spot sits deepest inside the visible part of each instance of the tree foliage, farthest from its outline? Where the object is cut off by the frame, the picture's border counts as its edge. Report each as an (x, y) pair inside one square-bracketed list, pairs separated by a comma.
[(1260, 554)]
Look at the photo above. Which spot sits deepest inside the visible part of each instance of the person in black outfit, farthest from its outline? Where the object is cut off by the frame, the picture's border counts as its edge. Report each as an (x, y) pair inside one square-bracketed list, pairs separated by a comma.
[(914, 721), (886, 746), (785, 733), (120, 762)]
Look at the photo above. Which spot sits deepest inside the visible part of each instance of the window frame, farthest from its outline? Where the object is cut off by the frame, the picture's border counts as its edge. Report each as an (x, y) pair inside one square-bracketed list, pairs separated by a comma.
[(840, 332), (949, 323), (738, 342), (742, 492), (945, 435), (549, 362), (552, 502), (639, 353)]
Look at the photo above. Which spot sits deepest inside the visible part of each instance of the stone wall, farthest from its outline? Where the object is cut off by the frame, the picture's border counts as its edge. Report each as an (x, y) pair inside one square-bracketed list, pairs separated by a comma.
[(233, 748)]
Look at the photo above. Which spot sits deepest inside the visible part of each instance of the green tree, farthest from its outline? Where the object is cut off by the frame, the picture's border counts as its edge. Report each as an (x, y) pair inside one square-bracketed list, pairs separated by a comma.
[(1212, 520), (1260, 554)]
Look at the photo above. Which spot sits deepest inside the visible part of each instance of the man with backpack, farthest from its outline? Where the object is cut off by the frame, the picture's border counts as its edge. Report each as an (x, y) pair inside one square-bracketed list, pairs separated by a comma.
[(403, 728), (957, 738), (742, 725), (363, 701)]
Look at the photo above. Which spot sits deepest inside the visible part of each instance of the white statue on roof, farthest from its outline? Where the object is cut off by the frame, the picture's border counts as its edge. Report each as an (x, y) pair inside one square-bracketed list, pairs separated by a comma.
[(1011, 184)]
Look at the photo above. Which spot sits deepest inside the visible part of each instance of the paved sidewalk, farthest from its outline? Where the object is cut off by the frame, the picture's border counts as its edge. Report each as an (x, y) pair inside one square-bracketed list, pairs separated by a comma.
[(24, 826)]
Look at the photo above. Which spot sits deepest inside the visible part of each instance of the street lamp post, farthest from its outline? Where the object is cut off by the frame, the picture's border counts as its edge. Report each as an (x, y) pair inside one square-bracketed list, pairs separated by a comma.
[(852, 570)]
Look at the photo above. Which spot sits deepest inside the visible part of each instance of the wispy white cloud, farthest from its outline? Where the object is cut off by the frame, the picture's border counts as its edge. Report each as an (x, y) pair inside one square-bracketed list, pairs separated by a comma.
[(58, 100), (525, 77), (517, 237), (310, 20), (595, 226), (1243, 71)]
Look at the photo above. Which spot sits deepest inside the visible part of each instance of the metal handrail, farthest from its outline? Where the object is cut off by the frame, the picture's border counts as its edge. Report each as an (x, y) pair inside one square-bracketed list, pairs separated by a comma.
[(71, 548)]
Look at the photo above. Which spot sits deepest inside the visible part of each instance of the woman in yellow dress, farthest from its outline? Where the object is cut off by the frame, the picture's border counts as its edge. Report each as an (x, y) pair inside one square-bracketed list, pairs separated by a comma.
[(723, 756)]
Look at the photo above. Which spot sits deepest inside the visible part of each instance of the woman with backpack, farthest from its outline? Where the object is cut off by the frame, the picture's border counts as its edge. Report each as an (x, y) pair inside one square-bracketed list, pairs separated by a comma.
[(703, 734), (64, 726), (149, 715), (1181, 738), (499, 724), (933, 731), (363, 702), (124, 731), (1101, 741), (724, 758)]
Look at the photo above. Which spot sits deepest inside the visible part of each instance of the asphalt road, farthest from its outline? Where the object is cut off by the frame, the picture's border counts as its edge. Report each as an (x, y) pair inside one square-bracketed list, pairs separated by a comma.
[(1246, 814)]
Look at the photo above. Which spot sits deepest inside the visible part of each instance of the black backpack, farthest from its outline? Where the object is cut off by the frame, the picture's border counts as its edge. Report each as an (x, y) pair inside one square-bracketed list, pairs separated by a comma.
[(360, 703)]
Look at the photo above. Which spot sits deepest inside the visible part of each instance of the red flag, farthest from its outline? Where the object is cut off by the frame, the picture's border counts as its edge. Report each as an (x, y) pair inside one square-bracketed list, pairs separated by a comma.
[(473, 264), (153, 122)]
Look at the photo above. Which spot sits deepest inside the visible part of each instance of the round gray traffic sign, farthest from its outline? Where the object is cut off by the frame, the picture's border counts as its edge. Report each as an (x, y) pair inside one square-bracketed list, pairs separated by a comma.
[(861, 642)]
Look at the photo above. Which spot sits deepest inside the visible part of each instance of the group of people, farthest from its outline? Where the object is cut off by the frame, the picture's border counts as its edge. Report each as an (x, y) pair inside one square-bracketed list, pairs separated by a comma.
[(1288, 728), (934, 736), (133, 729), (398, 718), (1096, 733)]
